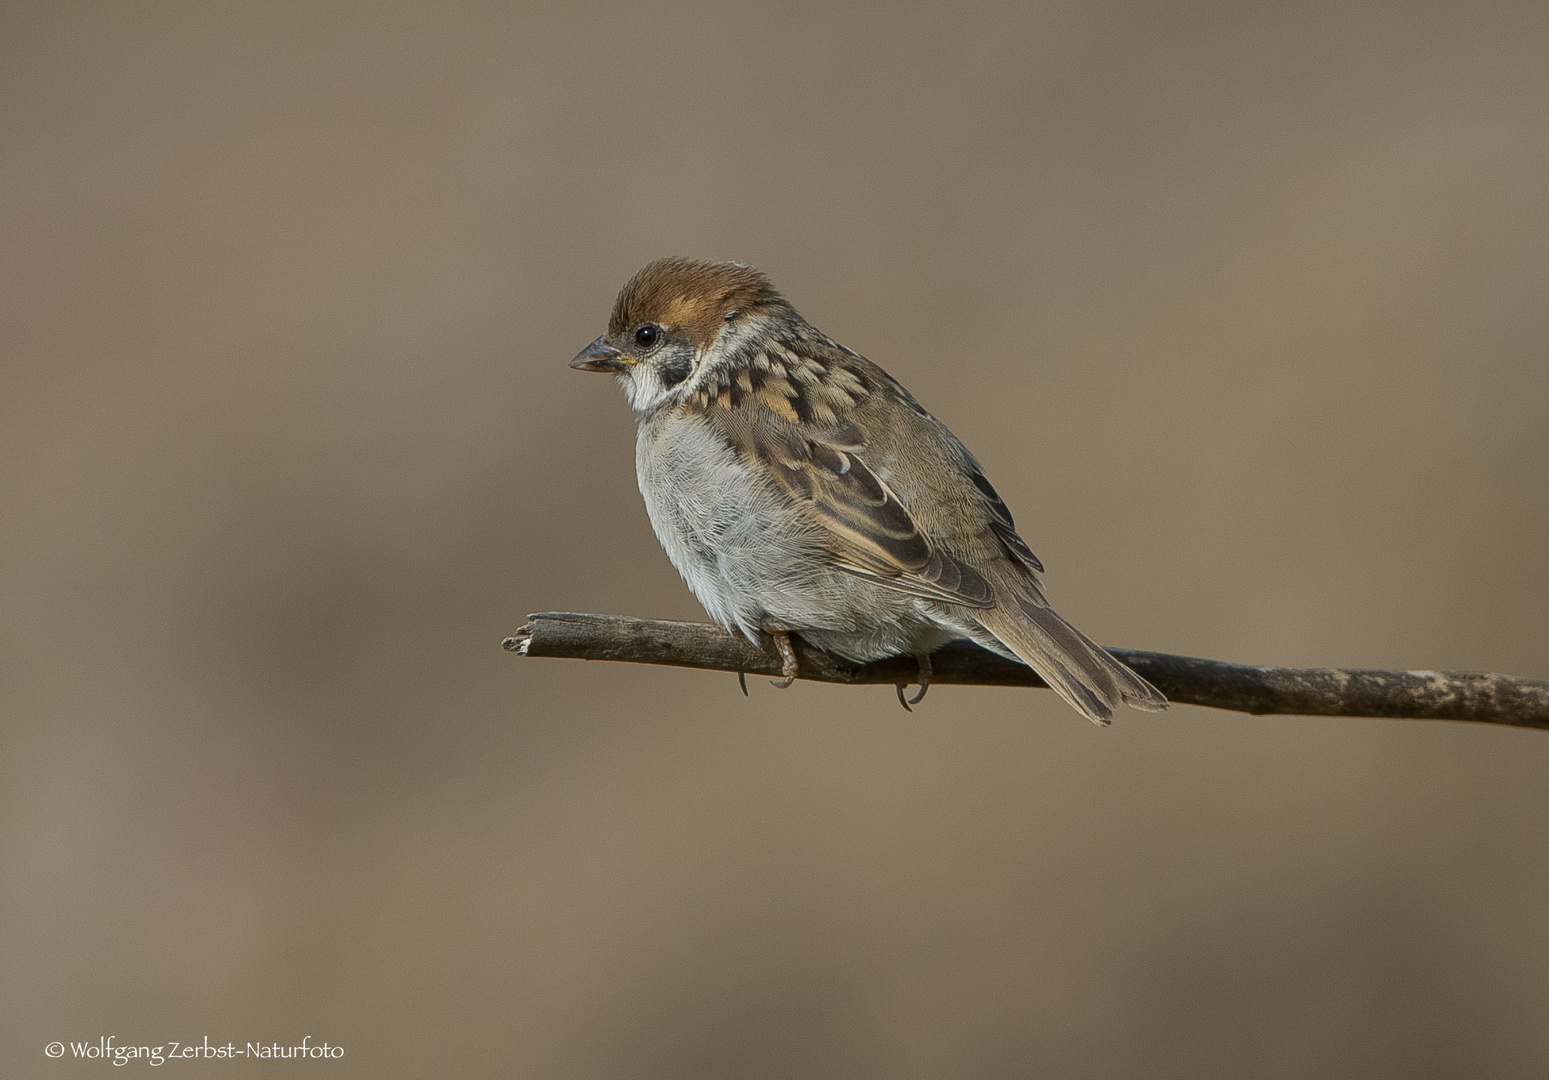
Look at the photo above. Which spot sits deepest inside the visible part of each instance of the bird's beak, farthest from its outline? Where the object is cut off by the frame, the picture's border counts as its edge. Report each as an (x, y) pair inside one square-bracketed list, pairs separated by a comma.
[(601, 357)]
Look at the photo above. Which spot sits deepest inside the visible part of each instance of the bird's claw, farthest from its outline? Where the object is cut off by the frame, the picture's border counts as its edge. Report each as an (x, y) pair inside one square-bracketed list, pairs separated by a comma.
[(924, 661)]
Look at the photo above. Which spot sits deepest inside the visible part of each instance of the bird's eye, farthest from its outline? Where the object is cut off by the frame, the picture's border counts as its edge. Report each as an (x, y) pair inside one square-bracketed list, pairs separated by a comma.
[(648, 335)]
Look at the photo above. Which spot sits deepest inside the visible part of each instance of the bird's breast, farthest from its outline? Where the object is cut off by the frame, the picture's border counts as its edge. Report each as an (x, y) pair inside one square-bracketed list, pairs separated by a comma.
[(736, 539)]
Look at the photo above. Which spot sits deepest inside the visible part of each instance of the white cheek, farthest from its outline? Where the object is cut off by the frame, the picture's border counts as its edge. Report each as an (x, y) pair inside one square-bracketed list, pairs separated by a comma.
[(644, 390), (627, 384), (640, 389)]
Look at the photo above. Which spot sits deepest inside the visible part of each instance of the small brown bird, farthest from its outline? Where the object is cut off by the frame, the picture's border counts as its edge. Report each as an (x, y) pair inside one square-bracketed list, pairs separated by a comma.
[(798, 487)]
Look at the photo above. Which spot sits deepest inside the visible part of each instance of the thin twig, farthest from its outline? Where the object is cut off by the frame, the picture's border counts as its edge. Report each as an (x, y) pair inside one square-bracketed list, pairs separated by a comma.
[(1417, 695)]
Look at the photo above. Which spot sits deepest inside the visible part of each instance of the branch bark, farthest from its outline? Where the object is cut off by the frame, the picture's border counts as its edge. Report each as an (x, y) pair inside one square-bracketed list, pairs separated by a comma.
[(1415, 695)]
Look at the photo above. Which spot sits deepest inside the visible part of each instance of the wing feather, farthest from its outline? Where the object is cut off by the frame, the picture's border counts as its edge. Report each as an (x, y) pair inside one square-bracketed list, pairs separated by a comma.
[(872, 535), (769, 412)]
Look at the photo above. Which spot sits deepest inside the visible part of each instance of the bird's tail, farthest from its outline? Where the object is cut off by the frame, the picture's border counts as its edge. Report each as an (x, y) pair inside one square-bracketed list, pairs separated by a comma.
[(1078, 670)]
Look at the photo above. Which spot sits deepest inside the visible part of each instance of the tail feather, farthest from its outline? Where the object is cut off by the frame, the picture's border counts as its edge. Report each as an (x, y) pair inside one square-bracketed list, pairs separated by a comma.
[(1080, 671)]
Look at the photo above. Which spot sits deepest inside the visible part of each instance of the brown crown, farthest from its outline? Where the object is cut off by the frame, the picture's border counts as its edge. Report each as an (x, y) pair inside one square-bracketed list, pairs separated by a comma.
[(688, 297)]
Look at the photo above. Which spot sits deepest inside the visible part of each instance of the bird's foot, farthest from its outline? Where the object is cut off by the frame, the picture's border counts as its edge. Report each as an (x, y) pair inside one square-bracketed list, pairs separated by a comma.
[(782, 640)]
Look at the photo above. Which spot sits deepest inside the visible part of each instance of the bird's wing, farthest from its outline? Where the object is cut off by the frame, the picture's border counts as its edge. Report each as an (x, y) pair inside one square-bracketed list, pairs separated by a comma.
[(790, 413), (871, 533), (1000, 522)]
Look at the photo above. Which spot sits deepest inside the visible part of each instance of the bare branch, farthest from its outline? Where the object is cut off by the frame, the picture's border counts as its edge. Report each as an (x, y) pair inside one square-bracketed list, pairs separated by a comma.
[(1417, 695)]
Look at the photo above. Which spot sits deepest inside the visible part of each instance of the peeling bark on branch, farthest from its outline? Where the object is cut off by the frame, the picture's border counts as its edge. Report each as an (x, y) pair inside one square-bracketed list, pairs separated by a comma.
[(1417, 695)]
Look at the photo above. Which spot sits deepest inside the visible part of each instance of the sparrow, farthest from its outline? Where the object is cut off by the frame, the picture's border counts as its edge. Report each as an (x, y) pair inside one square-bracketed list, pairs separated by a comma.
[(799, 488)]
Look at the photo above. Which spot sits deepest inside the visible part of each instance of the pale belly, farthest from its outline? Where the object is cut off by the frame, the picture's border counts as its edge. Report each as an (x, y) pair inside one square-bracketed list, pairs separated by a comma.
[(751, 558)]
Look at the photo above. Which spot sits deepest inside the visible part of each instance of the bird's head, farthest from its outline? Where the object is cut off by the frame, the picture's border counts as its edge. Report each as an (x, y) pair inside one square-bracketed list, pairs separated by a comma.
[(675, 321)]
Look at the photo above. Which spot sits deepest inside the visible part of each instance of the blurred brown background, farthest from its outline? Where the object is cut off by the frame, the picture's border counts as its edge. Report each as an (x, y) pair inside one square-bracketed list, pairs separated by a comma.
[(1242, 307)]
